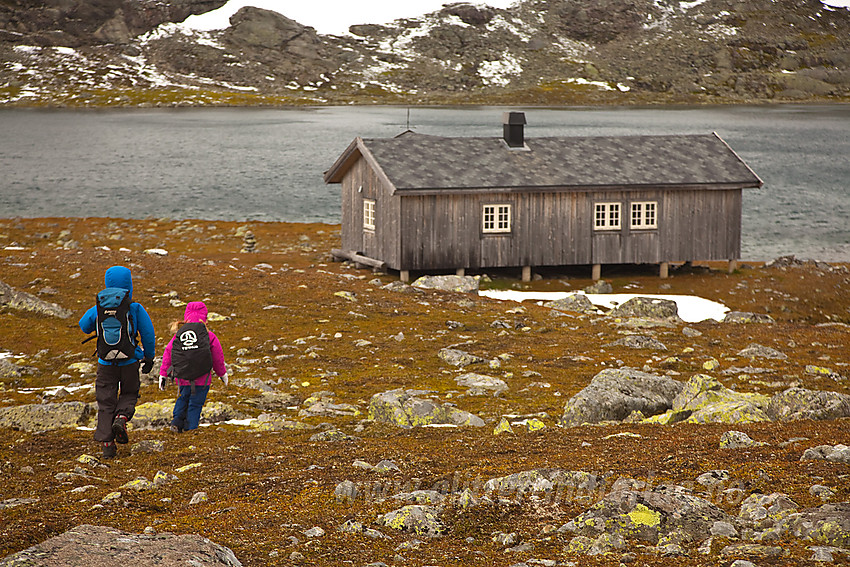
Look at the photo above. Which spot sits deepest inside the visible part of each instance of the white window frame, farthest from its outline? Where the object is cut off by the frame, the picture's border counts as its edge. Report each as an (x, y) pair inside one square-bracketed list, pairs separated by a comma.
[(607, 216), (496, 218), (643, 215), (369, 215)]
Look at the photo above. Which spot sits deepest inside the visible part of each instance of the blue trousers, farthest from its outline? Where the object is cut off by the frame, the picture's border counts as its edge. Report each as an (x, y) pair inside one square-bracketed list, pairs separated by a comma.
[(187, 408)]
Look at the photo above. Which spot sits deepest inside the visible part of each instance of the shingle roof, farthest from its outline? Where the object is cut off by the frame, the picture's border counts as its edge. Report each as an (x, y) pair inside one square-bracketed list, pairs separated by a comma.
[(421, 162)]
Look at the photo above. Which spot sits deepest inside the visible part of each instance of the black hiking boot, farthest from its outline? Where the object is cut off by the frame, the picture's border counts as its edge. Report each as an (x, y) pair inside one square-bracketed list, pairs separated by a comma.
[(119, 429), (110, 449)]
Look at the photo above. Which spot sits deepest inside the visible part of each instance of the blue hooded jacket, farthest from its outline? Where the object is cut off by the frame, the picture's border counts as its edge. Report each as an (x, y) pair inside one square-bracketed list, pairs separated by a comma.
[(119, 276)]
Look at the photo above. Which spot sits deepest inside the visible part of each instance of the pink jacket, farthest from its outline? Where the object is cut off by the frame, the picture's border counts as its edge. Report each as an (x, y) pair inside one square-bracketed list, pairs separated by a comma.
[(196, 312)]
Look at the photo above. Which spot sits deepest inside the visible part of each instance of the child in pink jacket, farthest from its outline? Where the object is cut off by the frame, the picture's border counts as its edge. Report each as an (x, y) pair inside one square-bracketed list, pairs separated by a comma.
[(191, 347)]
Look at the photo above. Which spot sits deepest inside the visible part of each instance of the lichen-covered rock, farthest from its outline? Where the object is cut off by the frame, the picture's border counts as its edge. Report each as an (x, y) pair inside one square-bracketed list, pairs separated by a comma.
[(828, 525), (758, 351), (37, 418), (416, 519), (746, 317), (614, 394), (458, 358), (158, 415), (649, 515), (834, 454), (9, 370), (705, 400), (647, 307), (599, 287), (738, 440), (100, 545), (479, 384), (765, 510), (800, 403), (577, 302), (639, 342), (22, 301), (541, 480), (276, 422), (462, 284), (401, 408)]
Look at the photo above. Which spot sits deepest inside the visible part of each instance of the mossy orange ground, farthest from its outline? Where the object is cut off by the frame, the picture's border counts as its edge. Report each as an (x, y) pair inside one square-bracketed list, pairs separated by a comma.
[(266, 488)]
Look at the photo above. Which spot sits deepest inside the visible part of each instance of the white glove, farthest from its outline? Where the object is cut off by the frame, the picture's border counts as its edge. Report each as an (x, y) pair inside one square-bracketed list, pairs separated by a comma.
[(162, 382), (226, 380)]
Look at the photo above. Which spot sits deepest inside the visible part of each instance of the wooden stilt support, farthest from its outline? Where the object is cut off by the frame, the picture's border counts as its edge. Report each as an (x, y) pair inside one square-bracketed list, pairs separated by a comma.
[(664, 270), (461, 272), (733, 265), (526, 273), (596, 273), (404, 275)]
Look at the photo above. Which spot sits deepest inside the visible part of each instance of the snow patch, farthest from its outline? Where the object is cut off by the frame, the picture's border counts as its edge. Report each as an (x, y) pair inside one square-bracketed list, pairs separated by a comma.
[(500, 72), (692, 309)]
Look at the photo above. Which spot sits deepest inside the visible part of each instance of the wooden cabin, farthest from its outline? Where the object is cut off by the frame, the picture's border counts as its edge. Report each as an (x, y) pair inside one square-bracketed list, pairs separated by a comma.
[(417, 202)]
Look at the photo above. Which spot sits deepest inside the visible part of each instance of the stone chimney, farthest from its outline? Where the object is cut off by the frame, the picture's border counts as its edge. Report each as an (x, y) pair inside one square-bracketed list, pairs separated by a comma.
[(514, 126)]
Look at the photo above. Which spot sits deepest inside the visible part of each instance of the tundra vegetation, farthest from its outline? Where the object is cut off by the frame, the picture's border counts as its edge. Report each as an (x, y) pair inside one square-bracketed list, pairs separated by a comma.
[(369, 422)]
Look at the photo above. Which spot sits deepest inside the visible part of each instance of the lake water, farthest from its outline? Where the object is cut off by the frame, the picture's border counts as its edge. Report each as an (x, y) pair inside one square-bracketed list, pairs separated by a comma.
[(267, 165)]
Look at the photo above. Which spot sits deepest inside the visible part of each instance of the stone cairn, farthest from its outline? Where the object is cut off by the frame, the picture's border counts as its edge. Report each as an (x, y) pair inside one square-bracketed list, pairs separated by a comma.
[(249, 243)]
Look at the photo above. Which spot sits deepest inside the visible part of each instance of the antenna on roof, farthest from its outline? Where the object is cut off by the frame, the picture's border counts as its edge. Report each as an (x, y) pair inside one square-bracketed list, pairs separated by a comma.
[(408, 124)]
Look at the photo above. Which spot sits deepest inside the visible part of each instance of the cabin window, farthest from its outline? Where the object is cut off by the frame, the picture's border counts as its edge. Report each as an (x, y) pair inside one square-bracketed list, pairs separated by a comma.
[(496, 219), (606, 216), (644, 214), (368, 214)]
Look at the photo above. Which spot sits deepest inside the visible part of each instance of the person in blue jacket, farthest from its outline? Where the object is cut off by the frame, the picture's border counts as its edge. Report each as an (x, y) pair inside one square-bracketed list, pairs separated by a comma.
[(117, 383)]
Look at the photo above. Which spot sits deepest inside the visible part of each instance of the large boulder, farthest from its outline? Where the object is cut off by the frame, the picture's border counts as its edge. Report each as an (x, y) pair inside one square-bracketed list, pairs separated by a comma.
[(462, 284), (800, 403), (648, 308), (402, 408), (577, 302), (827, 525), (415, 519), (555, 481), (109, 547), (614, 394), (37, 418), (22, 301), (650, 515), (704, 399)]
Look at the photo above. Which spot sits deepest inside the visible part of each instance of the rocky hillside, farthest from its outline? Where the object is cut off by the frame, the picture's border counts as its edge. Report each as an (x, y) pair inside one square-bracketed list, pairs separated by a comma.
[(134, 52), (390, 424)]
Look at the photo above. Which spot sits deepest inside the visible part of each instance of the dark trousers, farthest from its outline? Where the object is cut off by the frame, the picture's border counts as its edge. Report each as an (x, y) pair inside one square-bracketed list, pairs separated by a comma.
[(117, 391)]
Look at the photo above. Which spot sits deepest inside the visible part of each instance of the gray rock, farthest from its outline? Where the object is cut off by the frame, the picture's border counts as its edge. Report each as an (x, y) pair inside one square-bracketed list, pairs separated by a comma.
[(333, 435), (746, 317), (764, 510), (22, 301), (825, 493), (669, 512), (9, 370), (836, 454), (827, 525), (713, 478), (599, 287), (724, 529), (479, 384), (158, 415), (577, 302), (37, 418), (647, 307), (346, 491), (462, 284), (800, 403), (759, 351), (400, 287), (737, 440), (415, 519), (458, 358), (639, 342), (401, 408), (100, 545), (613, 394), (541, 480)]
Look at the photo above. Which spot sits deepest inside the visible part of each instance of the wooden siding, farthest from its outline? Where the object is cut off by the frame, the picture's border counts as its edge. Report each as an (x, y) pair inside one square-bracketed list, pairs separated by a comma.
[(443, 232), (383, 242)]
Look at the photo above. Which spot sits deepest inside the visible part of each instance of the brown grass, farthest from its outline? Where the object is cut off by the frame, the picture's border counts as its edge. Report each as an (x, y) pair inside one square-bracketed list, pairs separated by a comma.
[(264, 488)]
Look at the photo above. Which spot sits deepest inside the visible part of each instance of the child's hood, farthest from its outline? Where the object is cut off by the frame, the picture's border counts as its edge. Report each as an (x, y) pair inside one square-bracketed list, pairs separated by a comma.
[(196, 312), (120, 277)]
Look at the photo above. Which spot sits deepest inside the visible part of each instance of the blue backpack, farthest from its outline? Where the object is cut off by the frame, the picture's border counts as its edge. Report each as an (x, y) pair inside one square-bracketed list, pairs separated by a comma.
[(115, 331)]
